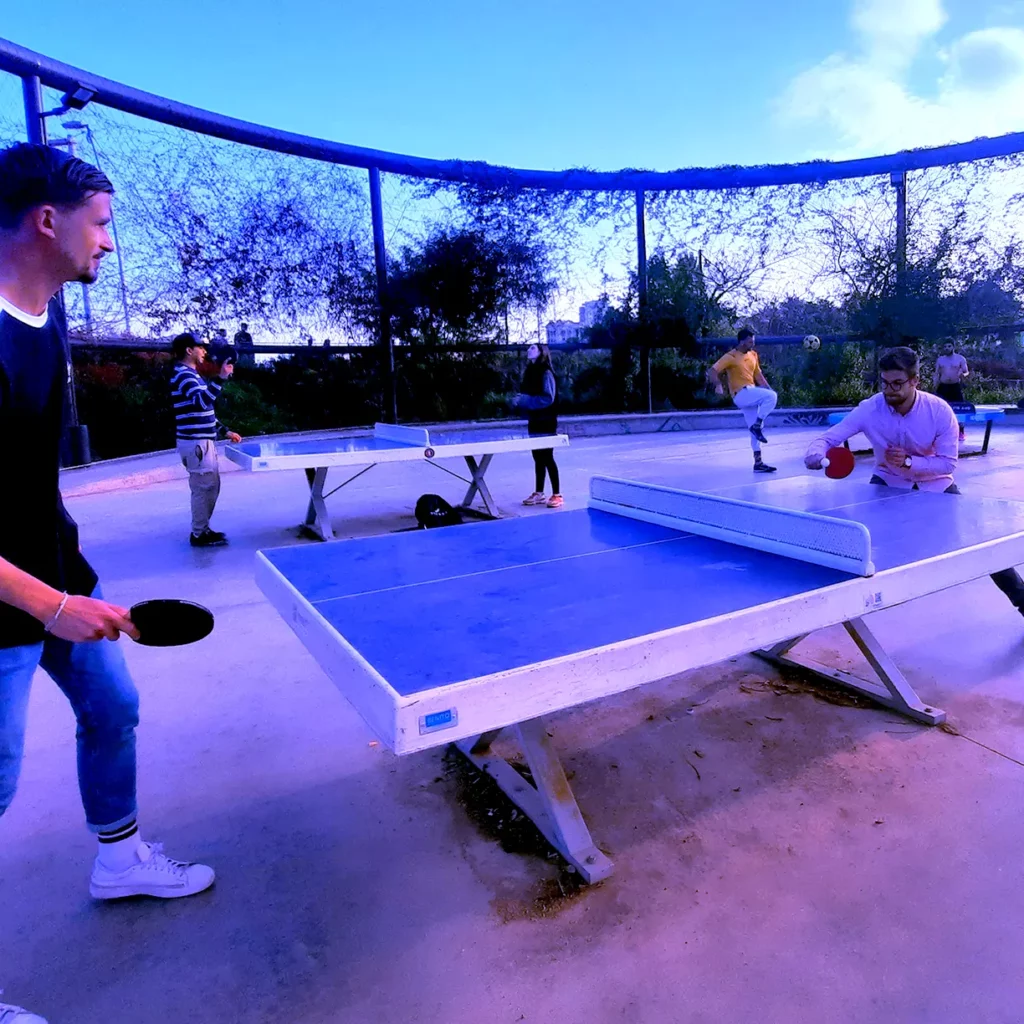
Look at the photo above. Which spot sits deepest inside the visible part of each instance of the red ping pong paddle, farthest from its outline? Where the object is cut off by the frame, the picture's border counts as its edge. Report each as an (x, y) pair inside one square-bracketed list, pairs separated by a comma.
[(838, 463), (170, 623)]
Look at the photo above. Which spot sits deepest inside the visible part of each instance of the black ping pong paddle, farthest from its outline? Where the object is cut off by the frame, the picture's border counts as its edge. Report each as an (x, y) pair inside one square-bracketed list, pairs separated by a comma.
[(170, 623), (838, 463)]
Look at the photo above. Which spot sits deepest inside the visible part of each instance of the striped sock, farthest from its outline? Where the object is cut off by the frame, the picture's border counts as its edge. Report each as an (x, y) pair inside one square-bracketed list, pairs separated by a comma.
[(118, 848), (118, 834)]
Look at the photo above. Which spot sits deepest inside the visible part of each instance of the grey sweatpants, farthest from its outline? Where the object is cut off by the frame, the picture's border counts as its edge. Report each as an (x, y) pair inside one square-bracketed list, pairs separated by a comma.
[(755, 404), (200, 459)]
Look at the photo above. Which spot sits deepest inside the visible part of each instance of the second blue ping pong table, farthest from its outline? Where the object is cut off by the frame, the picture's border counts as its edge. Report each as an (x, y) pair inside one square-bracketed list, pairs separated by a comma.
[(389, 443), (965, 414), (503, 623)]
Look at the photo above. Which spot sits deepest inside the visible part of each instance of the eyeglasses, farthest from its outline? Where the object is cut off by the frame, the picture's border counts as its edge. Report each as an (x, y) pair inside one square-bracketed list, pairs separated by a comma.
[(893, 385)]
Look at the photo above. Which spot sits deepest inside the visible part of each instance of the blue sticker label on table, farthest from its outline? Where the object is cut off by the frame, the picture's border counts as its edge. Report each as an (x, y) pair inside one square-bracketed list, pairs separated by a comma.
[(446, 719)]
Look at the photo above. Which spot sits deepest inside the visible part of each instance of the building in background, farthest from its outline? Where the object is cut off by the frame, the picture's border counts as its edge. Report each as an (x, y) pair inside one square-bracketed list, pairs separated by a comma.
[(560, 332), (592, 313)]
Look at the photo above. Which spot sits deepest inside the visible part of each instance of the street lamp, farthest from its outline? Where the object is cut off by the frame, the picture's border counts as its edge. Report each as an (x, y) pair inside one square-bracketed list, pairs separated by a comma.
[(81, 126), (69, 145)]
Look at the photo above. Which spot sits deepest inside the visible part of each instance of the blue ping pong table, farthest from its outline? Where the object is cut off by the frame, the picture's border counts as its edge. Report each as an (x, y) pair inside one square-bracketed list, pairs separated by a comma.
[(503, 623), (389, 443), (964, 414)]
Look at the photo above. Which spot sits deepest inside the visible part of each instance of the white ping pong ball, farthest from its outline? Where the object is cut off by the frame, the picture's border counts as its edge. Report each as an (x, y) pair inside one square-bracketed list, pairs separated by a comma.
[(824, 463)]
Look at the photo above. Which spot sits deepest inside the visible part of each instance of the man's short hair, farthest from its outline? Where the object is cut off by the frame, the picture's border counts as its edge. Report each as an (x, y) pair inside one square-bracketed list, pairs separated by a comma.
[(33, 175), (183, 342), (744, 333), (901, 358)]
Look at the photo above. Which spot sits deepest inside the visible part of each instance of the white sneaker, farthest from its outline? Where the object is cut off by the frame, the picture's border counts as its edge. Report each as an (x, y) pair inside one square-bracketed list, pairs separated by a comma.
[(16, 1015), (155, 874)]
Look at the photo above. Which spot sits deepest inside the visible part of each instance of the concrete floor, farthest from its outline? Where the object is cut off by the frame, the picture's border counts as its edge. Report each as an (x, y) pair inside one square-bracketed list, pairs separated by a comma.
[(778, 858)]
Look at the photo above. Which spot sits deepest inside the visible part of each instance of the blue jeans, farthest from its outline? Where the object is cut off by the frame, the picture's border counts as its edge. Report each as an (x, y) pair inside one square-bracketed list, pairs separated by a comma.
[(94, 678)]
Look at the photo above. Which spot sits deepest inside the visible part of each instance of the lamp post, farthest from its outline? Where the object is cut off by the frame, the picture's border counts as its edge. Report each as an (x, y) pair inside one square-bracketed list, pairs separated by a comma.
[(69, 145), (81, 126)]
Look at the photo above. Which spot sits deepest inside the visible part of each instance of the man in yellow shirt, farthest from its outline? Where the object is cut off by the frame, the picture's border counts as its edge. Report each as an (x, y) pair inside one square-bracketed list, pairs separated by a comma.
[(741, 369)]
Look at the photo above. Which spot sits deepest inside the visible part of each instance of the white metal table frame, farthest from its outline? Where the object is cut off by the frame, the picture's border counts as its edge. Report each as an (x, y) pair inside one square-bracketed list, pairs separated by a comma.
[(416, 443), (318, 520), (473, 712)]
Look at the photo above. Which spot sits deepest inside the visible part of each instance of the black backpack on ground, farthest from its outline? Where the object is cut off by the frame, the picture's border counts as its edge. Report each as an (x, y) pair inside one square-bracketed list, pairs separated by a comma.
[(432, 510)]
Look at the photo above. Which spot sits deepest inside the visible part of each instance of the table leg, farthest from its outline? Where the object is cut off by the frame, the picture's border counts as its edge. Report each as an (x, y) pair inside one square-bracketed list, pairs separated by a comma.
[(478, 486), (983, 450), (549, 802), (898, 694), (318, 522)]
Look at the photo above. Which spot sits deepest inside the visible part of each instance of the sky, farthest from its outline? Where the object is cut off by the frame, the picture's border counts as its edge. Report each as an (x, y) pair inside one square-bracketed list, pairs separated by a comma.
[(569, 83)]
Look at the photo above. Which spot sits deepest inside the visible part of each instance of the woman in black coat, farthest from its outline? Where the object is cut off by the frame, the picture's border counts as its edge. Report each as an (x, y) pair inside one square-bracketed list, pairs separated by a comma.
[(538, 395)]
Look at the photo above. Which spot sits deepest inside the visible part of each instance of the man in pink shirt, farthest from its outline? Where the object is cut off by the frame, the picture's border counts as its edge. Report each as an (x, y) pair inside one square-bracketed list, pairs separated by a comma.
[(914, 436)]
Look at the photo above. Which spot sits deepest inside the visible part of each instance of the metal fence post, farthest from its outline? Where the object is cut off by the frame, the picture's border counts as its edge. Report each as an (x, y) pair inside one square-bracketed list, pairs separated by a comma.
[(389, 397), (641, 287)]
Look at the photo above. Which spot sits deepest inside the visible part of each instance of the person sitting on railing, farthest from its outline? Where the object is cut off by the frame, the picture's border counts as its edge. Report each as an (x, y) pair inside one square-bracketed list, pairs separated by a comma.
[(244, 346)]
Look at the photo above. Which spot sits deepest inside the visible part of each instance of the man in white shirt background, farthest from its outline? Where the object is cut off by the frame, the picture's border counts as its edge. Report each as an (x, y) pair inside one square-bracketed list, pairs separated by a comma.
[(950, 372), (914, 438)]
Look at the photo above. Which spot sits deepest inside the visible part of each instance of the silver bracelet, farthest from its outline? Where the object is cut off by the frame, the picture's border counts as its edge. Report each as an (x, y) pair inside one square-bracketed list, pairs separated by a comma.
[(56, 615)]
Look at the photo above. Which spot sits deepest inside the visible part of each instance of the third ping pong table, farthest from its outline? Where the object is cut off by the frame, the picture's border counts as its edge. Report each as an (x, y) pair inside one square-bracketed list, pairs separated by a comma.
[(389, 443), (504, 623), (964, 415)]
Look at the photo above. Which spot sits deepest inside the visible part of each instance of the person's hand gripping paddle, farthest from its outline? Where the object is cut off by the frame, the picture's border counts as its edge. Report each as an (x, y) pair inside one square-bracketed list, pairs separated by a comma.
[(838, 463), (170, 623)]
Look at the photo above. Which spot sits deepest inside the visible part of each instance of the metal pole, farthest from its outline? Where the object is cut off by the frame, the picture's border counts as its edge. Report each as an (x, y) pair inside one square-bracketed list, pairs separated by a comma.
[(77, 450), (35, 123), (380, 258), (117, 243), (641, 287), (899, 182), (69, 145), (87, 308), (86, 301)]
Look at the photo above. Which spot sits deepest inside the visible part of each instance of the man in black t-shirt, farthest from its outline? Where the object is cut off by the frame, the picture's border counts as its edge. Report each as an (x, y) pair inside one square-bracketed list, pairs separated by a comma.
[(54, 212), (244, 347)]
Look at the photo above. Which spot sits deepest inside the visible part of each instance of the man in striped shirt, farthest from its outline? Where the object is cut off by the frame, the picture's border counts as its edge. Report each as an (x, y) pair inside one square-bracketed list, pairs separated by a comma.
[(196, 425)]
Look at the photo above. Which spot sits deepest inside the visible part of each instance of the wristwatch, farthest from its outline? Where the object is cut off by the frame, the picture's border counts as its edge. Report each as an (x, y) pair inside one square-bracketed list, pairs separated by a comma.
[(907, 462)]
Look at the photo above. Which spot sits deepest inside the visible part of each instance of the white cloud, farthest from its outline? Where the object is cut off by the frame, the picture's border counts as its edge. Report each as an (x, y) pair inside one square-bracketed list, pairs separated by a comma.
[(863, 103), (986, 61), (893, 29), (898, 17)]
